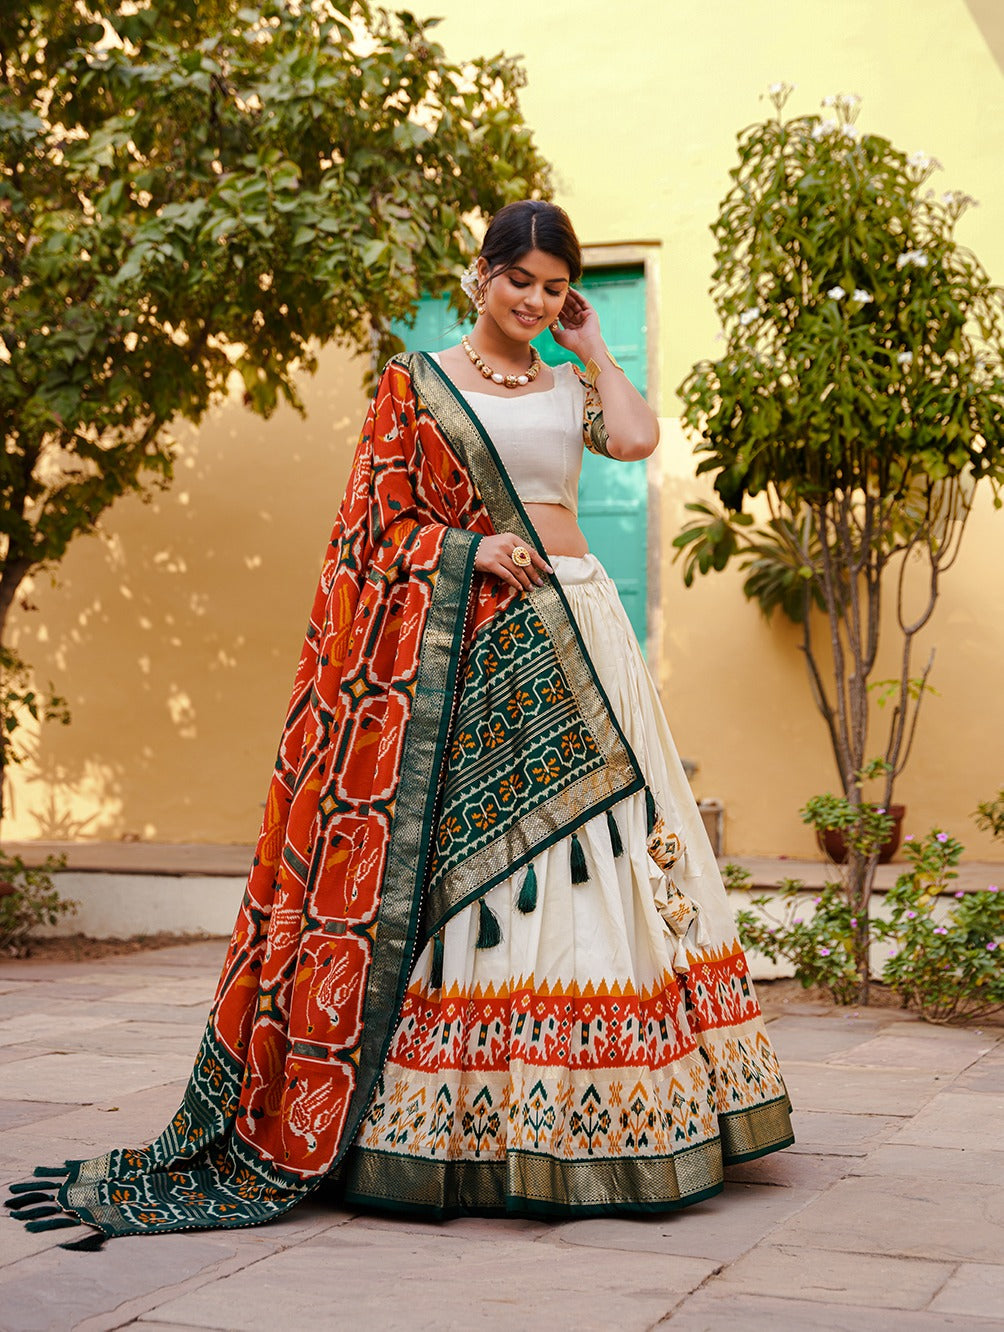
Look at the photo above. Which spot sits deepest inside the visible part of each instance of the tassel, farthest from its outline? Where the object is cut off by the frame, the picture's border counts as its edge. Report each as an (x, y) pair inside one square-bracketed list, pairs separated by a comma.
[(29, 1186), (36, 1213), (580, 871), (616, 845), (89, 1243), (51, 1223), (436, 970), (527, 900), (489, 930), (51, 1172), (29, 1199), (649, 812)]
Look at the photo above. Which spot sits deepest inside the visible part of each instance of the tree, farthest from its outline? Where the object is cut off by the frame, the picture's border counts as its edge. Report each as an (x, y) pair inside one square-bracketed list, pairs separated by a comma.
[(860, 397), (193, 191)]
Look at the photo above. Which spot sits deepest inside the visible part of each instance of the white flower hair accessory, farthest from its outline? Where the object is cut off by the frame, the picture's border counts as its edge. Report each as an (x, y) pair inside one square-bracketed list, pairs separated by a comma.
[(469, 283)]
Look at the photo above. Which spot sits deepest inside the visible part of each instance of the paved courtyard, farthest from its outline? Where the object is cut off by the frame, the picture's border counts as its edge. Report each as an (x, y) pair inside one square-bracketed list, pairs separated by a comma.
[(887, 1214)]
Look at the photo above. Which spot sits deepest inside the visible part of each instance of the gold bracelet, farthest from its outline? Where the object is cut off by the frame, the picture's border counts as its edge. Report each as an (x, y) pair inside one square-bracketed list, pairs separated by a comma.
[(593, 370)]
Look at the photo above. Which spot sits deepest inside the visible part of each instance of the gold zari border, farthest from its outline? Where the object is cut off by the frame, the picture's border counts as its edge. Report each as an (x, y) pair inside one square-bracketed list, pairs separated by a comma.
[(535, 1181)]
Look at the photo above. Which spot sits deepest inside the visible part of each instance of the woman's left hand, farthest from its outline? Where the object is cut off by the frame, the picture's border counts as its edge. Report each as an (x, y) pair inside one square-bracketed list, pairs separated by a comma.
[(579, 327)]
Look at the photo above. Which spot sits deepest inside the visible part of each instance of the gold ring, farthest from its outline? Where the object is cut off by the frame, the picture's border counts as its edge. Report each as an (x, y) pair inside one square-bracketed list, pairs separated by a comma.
[(520, 557)]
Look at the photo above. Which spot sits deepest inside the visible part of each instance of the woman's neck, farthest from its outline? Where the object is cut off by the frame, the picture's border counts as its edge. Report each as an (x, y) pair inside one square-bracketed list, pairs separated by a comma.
[(494, 346)]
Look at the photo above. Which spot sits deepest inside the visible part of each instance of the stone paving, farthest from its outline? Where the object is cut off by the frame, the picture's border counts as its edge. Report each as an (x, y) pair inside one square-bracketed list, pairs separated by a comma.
[(887, 1214)]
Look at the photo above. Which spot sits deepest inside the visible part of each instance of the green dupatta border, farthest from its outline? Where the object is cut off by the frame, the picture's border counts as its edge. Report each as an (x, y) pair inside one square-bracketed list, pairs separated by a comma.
[(415, 814), (620, 775)]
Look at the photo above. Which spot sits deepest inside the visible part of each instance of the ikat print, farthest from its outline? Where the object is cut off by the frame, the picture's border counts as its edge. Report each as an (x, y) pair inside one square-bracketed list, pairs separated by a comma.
[(518, 740), (578, 1073)]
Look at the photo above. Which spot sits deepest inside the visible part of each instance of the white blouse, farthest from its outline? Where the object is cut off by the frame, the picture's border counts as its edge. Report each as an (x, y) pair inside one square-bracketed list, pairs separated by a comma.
[(538, 436)]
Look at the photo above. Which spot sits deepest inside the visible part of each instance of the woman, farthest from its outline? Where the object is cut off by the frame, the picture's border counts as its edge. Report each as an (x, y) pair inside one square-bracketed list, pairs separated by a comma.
[(484, 962)]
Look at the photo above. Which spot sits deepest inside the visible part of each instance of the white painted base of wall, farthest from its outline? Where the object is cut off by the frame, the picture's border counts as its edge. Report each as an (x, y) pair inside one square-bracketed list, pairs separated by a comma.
[(121, 906)]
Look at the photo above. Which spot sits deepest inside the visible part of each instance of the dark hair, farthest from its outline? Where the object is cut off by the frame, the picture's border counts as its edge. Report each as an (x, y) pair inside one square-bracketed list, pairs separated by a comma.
[(531, 224)]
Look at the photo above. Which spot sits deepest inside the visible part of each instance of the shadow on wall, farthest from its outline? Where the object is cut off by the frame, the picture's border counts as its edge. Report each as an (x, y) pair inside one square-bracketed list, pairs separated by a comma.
[(174, 636)]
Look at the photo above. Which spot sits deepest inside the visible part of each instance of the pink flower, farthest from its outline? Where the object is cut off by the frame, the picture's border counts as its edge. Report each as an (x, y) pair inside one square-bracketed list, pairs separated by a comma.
[(960, 893), (940, 929), (816, 901), (992, 888), (991, 946), (942, 837), (825, 952), (911, 915), (854, 922), (908, 837)]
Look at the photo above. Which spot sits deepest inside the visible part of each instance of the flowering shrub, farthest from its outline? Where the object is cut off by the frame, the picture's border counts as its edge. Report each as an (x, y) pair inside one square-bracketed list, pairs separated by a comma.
[(949, 969), (946, 964), (821, 948), (856, 400), (28, 899)]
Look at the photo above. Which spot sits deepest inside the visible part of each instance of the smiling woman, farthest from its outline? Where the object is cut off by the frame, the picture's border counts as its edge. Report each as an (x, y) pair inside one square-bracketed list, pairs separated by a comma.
[(484, 963)]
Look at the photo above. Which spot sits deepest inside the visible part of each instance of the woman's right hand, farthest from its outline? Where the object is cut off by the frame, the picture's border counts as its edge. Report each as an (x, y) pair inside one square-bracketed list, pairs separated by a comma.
[(494, 555)]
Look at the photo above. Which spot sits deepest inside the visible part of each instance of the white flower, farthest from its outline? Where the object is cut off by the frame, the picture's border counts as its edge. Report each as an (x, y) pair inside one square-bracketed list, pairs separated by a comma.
[(749, 315), (916, 257), (824, 128), (848, 103), (956, 199), (850, 132), (469, 282), (863, 297), (905, 359), (921, 162), (836, 293)]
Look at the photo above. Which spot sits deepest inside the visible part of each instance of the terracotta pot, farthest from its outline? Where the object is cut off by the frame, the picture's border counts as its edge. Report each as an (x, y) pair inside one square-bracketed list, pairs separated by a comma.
[(832, 840)]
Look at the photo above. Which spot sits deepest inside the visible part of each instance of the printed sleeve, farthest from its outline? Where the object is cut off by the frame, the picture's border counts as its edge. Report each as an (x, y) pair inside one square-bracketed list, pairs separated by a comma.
[(594, 430)]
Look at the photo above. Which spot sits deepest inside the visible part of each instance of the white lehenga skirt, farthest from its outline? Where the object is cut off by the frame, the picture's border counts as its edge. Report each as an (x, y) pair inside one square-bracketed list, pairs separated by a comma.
[(608, 1053)]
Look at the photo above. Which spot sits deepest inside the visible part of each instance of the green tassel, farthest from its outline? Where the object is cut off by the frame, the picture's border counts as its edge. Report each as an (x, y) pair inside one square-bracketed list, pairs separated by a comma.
[(89, 1243), (29, 1186), (36, 1213), (53, 1223), (436, 970), (29, 1199), (580, 871), (50, 1172), (489, 930), (649, 812), (616, 845), (527, 900)]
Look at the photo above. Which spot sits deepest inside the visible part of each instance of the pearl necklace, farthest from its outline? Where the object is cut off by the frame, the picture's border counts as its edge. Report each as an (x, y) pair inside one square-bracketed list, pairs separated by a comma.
[(496, 376)]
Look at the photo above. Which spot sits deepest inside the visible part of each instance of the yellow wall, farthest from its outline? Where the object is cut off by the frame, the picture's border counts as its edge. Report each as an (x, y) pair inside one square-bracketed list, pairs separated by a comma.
[(176, 635)]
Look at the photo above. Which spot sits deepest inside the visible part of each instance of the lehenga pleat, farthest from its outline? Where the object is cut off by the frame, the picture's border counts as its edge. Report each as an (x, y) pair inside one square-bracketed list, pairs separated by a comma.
[(608, 1053)]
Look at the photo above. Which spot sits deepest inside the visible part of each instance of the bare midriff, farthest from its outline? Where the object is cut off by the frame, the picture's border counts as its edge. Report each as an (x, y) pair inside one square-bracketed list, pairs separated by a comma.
[(559, 533)]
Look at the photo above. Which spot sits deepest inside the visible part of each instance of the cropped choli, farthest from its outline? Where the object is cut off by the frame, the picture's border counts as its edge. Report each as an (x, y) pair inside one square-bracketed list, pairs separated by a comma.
[(538, 436)]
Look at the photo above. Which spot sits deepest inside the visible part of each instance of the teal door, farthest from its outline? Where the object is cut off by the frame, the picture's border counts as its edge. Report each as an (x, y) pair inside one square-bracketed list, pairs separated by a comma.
[(613, 496)]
